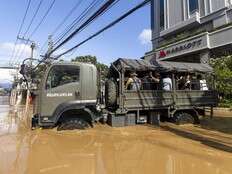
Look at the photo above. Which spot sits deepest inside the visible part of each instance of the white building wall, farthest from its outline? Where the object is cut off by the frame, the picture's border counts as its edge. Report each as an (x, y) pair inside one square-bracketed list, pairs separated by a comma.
[(218, 4), (175, 9), (178, 17)]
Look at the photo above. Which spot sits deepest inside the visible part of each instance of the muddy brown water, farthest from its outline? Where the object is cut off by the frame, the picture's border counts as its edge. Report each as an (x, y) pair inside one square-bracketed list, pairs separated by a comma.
[(141, 149)]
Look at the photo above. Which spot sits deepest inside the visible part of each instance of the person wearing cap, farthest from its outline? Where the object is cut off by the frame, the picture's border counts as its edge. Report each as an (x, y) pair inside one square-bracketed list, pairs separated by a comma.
[(155, 80), (150, 82), (133, 83)]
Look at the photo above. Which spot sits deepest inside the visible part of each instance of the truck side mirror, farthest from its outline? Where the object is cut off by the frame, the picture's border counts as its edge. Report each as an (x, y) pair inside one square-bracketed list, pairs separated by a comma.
[(22, 69)]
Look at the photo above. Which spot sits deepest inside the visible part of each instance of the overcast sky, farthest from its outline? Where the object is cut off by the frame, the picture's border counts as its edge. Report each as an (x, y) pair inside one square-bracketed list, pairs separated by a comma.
[(6, 75), (129, 39)]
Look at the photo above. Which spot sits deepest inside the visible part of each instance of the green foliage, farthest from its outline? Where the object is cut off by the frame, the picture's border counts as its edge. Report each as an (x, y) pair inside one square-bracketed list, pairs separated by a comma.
[(223, 71), (39, 72), (226, 103), (86, 59), (93, 60), (101, 68)]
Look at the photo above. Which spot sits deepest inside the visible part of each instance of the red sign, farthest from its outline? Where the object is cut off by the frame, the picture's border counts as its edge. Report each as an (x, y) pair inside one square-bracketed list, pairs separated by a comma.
[(162, 54), (180, 48)]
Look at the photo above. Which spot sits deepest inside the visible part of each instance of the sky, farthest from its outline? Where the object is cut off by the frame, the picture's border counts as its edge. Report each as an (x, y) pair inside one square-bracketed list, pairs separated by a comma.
[(128, 39)]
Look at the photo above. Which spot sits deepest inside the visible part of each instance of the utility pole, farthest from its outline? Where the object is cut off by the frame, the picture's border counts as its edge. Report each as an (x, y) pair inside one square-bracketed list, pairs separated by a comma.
[(32, 46), (24, 39), (50, 43), (50, 47), (32, 52), (28, 98)]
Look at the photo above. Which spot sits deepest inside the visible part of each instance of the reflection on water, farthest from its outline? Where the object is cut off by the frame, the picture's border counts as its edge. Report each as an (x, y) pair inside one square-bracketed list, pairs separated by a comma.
[(103, 150)]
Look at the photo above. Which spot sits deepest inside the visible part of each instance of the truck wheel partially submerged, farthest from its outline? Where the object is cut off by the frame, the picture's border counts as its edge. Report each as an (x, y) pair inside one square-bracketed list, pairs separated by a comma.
[(67, 95)]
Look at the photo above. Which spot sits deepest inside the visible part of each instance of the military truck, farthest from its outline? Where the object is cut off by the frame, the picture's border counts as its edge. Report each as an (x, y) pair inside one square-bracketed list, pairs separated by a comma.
[(68, 93)]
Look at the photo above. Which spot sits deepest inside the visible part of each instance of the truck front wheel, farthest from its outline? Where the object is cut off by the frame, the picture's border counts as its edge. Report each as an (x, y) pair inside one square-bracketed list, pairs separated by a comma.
[(74, 119), (73, 123)]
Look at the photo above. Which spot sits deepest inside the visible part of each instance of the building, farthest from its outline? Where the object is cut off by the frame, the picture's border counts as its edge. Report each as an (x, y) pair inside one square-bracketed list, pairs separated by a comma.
[(190, 30)]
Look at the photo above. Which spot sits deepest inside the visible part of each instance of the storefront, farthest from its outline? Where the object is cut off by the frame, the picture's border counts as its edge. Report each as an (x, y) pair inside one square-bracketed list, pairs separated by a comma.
[(190, 30), (197, 49)]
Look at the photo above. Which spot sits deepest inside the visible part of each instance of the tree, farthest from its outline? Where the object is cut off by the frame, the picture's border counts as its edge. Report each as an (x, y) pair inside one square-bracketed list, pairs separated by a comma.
[(223, 72), (102, 68), (38, 73)]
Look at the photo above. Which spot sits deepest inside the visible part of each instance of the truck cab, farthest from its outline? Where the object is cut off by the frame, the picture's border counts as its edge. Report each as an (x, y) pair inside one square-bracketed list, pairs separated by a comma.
[(66, 88)]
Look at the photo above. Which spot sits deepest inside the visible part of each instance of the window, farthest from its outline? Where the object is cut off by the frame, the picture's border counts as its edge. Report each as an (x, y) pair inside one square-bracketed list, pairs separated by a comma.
[(229, 2), (207, 6), (193, 6), (162, 15), (202, 8), (60, 75)]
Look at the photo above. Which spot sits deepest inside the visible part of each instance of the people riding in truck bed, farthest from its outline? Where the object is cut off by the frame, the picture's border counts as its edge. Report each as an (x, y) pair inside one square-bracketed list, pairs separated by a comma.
[(187, 85), (202, 83), (150, 81), (133, 82), (167, 82)]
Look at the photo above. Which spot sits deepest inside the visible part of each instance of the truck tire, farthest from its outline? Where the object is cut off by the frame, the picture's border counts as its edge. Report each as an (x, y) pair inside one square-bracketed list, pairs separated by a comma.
[(110, 93), (181, 118), (73, 123)]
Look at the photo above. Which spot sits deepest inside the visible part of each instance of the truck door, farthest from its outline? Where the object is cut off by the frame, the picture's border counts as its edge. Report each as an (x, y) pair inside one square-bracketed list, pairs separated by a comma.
[(61, 85)]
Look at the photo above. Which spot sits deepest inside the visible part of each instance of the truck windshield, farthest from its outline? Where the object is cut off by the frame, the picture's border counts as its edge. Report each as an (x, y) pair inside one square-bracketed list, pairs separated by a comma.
[(60, 75)]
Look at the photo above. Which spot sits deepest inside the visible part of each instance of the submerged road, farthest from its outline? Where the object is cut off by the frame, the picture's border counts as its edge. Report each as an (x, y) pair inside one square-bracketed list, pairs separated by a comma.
[(169, 149)]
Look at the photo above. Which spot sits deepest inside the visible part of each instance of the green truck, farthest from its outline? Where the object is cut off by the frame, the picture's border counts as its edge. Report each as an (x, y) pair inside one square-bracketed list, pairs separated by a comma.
[(69, 93)]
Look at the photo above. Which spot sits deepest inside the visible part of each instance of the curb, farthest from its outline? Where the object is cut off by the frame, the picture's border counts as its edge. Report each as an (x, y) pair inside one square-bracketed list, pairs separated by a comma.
[(223, 109)]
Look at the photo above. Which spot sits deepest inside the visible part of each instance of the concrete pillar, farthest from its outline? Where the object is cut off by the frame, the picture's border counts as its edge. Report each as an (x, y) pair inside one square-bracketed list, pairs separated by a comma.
[(205, 56), (155, 22), (154, 118)]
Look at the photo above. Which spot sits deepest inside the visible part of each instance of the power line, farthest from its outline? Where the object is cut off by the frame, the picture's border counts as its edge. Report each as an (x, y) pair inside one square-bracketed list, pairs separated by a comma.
[(103, 8), (19, 54), (28, 28), (97, 16), (80, 18), (68, 15), (63, 21), (35, 14), (20, 29), (92, 21), (43, 18), (41, 21), (107, 27)]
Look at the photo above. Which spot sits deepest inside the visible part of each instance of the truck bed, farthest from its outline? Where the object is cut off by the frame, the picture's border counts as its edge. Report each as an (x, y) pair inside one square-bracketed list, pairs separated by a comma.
[(162, 99)]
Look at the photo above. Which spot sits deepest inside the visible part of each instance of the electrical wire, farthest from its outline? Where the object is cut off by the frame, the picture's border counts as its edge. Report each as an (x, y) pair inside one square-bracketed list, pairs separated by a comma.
[(92, 22), (34, 16), (39, 24), (63, 21), (98, 16), (107, 27), (43, 18), (20, 29), (79, 19), (66, 17), (28, 28), (103, 8)]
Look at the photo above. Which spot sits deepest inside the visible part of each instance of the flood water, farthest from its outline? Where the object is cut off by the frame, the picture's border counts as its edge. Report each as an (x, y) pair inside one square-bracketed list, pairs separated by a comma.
[(168, 149)]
